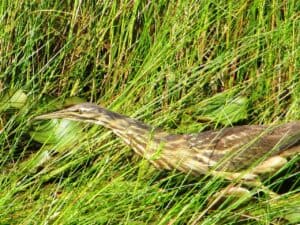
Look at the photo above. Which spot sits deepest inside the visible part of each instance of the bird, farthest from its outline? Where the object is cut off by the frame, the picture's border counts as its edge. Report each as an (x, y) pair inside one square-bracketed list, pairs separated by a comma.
[(227, 152)]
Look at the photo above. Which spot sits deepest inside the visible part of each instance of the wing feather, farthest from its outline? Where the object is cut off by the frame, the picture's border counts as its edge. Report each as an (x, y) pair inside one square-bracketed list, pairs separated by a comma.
[(240, 146)]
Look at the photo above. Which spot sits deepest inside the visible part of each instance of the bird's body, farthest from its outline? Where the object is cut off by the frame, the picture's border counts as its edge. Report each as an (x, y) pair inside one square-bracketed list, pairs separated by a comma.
[(229, 150)]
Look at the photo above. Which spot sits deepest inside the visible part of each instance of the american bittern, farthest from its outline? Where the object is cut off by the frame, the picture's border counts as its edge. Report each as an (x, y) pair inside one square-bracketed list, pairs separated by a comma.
[(226, 152)]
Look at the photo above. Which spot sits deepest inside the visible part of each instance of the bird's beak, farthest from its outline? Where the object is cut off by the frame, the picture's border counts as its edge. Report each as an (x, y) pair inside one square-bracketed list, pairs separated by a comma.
[(53, 115)]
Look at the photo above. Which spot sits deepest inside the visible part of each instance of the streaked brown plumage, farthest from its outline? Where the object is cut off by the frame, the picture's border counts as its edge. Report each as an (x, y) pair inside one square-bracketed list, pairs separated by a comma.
[(228, 150)]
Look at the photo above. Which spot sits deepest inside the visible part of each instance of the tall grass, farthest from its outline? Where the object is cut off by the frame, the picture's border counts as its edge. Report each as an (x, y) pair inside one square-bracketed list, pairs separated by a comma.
[(176, 65)]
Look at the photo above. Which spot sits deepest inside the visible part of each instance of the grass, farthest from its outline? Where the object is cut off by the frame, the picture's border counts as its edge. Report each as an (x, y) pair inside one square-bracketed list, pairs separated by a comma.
[(180, 66)]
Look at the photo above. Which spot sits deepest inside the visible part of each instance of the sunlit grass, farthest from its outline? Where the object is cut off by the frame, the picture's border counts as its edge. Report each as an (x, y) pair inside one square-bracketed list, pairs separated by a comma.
[(180, 66)]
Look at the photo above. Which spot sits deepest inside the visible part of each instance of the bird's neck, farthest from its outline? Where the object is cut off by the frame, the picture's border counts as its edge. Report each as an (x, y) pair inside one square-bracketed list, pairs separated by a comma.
[(133, 132)]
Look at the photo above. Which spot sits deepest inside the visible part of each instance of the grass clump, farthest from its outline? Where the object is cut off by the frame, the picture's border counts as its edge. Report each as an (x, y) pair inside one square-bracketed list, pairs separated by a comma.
[(183, 66)]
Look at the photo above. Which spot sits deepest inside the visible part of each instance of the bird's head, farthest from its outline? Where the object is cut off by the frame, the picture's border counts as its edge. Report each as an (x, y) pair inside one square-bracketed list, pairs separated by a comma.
[(87, 112)]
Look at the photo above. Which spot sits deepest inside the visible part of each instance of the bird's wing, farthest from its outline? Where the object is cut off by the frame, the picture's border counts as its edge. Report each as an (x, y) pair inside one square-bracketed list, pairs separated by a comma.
[(240, 146)]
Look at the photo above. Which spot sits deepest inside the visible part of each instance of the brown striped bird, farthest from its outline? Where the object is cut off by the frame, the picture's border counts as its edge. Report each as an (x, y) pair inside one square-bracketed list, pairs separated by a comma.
[(241, 152)]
